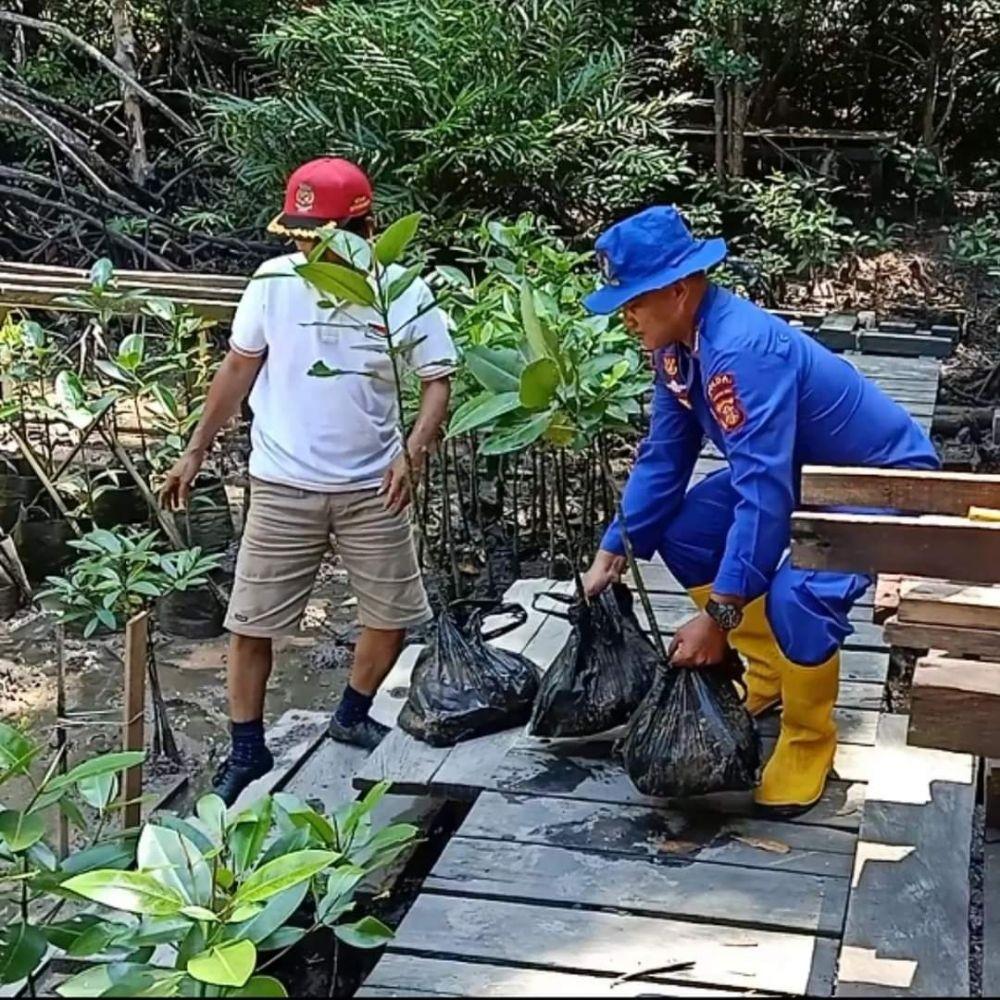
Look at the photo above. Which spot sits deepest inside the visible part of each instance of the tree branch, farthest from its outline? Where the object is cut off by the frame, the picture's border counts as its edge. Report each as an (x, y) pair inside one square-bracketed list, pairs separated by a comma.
[(109, 64)]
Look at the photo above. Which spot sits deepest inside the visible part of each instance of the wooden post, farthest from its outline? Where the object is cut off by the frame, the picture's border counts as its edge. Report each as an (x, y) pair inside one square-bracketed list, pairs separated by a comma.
[(61, 731), (133, 721)]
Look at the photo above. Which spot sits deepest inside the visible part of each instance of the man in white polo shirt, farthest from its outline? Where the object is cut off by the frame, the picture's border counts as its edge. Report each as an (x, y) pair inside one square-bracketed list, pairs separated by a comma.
[(327, 459)]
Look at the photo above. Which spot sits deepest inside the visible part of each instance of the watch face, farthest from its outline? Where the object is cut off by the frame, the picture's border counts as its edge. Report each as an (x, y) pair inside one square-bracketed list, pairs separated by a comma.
[(728, 616)]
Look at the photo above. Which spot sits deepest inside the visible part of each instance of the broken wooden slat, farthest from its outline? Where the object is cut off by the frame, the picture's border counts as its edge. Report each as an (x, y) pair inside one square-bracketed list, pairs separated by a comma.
[(886, 596), (914, 850), (769, 900), (597, 943), (410, 976), (589, 774), (667, 835), (937, 602), (910, 490), (955, 705), (922, 345), (956, 641), (938, 546)]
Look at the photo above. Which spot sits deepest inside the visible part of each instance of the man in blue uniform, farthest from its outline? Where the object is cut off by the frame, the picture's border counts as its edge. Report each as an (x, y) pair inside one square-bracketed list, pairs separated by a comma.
[(771, 399)]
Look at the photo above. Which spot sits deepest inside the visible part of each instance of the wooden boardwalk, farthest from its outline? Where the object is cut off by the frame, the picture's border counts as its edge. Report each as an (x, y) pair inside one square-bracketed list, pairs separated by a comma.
[(564, 881)]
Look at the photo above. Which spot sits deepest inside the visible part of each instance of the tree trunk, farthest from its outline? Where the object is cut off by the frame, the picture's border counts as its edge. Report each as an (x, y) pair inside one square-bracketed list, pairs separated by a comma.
[(720, 130), (738, 112), (932, 71), (125, 57)]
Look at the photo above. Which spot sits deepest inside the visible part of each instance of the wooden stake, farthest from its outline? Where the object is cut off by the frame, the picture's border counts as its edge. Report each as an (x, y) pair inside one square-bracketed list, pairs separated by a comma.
[(133, 721), (61, 731)]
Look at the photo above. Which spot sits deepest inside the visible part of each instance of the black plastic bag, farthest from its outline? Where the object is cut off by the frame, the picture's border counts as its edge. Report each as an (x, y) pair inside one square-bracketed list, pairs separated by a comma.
[(692, 734), (602, 673), (462, 687)]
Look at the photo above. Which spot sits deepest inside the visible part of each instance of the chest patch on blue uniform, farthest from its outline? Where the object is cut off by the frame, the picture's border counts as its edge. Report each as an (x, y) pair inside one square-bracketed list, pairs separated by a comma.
[(672, 370), (725, 402)]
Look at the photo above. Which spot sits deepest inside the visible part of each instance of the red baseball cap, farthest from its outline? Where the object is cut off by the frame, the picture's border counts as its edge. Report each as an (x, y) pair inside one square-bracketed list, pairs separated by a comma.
[(320, 193)]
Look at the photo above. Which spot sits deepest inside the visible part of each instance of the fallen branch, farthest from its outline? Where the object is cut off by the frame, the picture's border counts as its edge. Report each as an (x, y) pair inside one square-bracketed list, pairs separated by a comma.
[(109, 64)]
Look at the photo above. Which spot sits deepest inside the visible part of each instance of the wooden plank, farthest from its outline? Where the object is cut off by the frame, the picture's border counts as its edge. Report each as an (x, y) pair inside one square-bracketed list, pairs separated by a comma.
[(909, 490), (939, 546), (957, 641), (614, 944), (134, 713), (661, 834), (327, 774), (922, 345), (866, 697), (991, 791), (853, 726), (955, 705), (748, 897), (864, 667), (887, 588), (589, 774), (937, 602), (409, 976), (140, 277), (914, 851), (12, 296), (11, 283)]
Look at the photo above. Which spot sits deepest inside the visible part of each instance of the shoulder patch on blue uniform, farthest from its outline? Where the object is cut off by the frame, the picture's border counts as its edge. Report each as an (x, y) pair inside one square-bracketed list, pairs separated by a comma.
[(725, 402)]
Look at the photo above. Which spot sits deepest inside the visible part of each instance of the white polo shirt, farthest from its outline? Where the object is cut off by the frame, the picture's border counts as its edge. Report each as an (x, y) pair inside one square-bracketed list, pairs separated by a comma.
[(339, 433)]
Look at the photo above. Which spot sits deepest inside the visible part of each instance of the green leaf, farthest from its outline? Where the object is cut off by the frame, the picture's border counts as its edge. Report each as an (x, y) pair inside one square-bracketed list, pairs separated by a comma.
[(482, 409), (211, 811), (114, 371), (101, 273), (400, 284), (153, 931), (392, 244), (275, 914), (282, 938), (539, 382), (246, 840), (69, 390), (518, 437), (115, 854), (167, 400), (282, 873), (397, 835), (122, 979), (133, 892), (541, 341), (229, 964), (339, 889), (261, 986), (339, 281), (131, 351), (176, 863), (189, 830), (109, 763), (200, 913), (368, 932), (98, 790), (20, 830), (598, 366), (496, 369), (22, 948), (16, 751)]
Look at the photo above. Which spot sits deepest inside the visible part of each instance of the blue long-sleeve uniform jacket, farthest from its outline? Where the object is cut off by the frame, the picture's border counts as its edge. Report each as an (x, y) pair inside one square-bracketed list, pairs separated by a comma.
[(772, 399)]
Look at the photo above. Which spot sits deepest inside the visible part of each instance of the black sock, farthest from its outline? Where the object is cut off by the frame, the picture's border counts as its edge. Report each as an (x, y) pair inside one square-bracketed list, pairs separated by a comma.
[(353, 707), (248, 741)]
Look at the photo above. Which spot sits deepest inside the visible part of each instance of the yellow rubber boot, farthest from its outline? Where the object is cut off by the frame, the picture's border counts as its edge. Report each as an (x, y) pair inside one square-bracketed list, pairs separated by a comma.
[(755, 642), (796, 774)]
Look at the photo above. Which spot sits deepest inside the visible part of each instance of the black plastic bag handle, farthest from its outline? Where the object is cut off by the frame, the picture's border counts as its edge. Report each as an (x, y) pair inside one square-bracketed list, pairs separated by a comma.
[(731, 667), (516, 611), (554, 596)]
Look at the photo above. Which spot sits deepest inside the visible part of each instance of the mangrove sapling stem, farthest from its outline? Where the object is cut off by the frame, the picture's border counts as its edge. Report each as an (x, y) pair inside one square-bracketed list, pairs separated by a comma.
[(516, 540), (535, 514), (551, 520), (634, 566), (477, 510), (446, 534), (39, 471), (560, 464)]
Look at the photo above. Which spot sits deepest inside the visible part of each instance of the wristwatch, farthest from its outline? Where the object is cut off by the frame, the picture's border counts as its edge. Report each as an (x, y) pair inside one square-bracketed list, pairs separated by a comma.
[(726, 616)]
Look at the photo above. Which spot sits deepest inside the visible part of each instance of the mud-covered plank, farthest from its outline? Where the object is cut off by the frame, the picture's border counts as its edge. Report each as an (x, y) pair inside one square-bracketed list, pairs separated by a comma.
[(662, 834), (412, 976), (590, 774), (907, 929), (616, 944), (748, 897)]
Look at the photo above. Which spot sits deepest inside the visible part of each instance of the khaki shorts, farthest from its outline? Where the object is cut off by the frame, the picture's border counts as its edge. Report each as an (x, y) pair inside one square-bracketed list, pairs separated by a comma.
[(287, 533)]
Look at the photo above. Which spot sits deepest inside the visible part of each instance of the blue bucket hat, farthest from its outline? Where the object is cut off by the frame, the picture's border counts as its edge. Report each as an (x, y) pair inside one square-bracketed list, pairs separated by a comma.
[(648, 251)]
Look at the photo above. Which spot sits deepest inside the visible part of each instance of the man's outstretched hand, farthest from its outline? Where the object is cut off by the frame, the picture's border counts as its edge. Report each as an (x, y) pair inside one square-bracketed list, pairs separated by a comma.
[(175, 491), (699, 643), (606, 569)]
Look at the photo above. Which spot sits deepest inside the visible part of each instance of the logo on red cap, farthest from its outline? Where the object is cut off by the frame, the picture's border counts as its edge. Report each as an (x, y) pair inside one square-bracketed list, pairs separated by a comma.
[(304, 197)]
